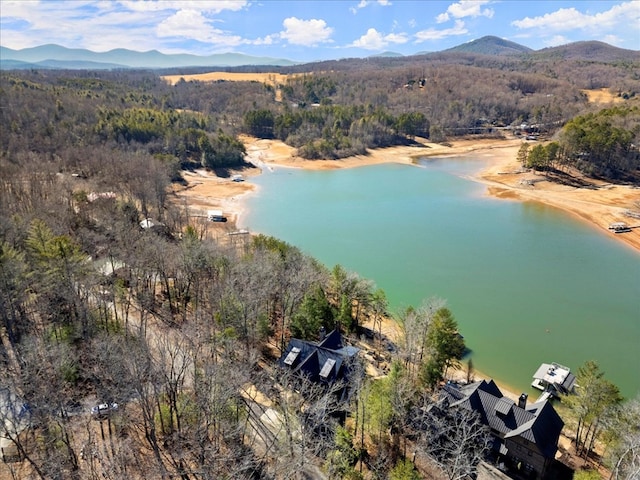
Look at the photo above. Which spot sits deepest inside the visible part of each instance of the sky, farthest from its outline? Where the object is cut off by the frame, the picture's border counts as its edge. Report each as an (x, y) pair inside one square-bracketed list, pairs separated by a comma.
[(308, 30)]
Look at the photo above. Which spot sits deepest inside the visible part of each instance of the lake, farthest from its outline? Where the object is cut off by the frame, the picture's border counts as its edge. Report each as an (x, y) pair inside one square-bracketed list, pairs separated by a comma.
[(527, 283)]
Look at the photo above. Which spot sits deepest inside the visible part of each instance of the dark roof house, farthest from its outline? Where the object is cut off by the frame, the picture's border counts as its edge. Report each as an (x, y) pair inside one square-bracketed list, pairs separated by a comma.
[(525, 436), (325, 362)]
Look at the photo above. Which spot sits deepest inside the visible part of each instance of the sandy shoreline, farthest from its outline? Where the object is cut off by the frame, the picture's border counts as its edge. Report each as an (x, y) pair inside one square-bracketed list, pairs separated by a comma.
[(599, 203)]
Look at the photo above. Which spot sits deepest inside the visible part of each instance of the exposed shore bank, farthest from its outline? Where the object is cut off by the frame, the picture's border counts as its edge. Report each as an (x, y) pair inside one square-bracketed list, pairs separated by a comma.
[(600, 204), (597, 202)]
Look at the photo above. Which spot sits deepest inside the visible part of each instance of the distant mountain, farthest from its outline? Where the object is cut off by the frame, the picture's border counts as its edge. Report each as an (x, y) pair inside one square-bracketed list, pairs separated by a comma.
[(491, 45), (386, 54), (55, 56), (590, 51)]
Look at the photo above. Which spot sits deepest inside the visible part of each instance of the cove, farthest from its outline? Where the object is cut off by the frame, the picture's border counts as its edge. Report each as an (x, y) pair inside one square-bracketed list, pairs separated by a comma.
[(527, 283)]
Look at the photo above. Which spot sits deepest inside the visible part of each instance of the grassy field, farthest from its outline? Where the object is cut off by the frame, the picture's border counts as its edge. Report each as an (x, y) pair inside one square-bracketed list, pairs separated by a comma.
[(601, 95), (268, 78)]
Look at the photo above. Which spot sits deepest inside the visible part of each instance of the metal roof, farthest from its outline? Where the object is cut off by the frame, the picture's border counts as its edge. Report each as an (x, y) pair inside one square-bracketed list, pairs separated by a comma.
[(538, 422)]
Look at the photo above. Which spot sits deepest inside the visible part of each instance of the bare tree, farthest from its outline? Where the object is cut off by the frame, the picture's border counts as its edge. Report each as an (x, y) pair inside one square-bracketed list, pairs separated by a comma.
[(625, 454), (454, 438)]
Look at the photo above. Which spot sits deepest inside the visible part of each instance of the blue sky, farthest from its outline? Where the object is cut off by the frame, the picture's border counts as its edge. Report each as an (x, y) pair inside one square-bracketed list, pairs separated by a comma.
[(307, 30)]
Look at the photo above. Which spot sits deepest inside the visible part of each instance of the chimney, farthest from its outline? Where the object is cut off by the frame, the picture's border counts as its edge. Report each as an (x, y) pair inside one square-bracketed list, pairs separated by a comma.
[(522, 401), (323, 333)]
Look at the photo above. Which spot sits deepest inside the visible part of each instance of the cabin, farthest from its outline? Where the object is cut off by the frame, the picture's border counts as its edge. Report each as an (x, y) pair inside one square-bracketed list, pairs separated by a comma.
[(326, 362), (525, 436)]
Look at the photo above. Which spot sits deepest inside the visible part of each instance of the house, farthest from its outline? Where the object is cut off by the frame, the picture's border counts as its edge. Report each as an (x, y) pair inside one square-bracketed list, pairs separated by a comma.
[(525, 437), (326, 362)]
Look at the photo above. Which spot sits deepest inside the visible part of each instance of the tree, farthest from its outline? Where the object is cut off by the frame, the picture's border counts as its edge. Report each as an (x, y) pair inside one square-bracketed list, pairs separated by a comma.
[(341, 460), (259, 123), (601, 143), (445, 345), (624, 454), (314, 313), (412, 124), (454, 437), (415, 325), (592, 405), (523, 154), (404, 470), (226, 151), (13, 293), (60, 270), (537, 158)]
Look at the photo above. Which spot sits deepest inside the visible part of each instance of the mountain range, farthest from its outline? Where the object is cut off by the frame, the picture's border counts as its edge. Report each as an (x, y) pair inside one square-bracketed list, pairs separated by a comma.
[(58, 57)]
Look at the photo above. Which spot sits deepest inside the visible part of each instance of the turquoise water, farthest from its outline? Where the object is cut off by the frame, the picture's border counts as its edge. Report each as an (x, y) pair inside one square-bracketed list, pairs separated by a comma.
[(527, 283)]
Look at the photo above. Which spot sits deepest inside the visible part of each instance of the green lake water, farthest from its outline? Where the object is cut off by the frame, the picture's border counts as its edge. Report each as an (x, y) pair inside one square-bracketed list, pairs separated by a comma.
[(527, 283)]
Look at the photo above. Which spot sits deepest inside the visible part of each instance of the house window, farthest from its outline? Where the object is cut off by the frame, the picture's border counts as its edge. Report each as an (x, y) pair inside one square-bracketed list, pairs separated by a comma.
[(326, 368), (291, 357)]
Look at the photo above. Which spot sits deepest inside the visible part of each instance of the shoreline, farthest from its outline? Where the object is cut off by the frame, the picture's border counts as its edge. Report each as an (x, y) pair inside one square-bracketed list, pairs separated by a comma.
[(596, 202), (599, 204)]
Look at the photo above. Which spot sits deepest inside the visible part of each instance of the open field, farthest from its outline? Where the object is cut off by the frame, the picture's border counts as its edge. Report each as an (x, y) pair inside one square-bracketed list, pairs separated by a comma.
[(268, 78), (601, 95)]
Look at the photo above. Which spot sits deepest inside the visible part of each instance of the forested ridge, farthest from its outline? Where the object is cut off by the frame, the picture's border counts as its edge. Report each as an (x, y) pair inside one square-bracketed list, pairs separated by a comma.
[(183, 331)]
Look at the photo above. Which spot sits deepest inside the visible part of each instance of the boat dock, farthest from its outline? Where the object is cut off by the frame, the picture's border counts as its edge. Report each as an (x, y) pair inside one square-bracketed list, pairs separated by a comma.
[(554, 380)]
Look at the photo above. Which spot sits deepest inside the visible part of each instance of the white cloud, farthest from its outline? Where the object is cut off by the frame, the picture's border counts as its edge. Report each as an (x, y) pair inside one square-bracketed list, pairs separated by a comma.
[(612, 40), (194, 25), (556, 40), (374, 40), (306, 32), (81, 24), (466, 8), (18, 8), (104, 25), (433, 34), (364, 3), (268, 40), (566, 19), (208, 6)]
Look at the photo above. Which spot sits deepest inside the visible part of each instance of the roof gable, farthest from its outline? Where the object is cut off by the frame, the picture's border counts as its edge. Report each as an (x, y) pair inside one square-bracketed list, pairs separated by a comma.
[(537, 423), (323, 361)]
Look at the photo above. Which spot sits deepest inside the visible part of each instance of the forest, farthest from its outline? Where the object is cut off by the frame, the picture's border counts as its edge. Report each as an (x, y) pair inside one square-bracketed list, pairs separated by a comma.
[(182, 332)]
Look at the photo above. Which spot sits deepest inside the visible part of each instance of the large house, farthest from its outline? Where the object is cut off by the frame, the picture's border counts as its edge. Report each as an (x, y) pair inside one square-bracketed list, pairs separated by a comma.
[(525, 437), (325, 362)]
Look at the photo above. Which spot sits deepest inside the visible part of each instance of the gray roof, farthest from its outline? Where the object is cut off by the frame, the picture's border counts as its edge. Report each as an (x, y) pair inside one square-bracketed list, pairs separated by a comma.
[(537, 422), (322, 361)]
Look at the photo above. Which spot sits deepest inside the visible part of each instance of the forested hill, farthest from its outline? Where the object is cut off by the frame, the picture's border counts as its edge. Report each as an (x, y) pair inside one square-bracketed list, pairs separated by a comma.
[(111, 292), (590, 51), (56, 56), (326, 110), (491, 45)]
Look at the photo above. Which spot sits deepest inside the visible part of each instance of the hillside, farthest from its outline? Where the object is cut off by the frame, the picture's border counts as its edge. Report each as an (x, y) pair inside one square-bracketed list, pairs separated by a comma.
[(588, 51), (56, 56), (490, 45)]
